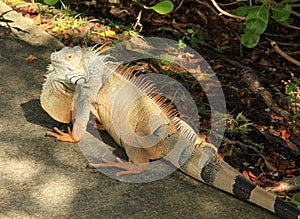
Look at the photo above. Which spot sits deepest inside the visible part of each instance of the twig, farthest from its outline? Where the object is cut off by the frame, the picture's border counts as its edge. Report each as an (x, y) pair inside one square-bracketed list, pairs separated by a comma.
[(291, 26), (229, 4), (283, 54), (286, 185), (137, 23), (254, 85), (288, 36), (222, 12), (268, 164), (179, 6), (296, 13), (244, 145), (207, 5)]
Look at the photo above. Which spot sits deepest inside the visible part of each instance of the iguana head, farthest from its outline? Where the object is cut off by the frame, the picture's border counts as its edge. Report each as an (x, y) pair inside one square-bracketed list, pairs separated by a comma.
[(72, 67), (72, 63)]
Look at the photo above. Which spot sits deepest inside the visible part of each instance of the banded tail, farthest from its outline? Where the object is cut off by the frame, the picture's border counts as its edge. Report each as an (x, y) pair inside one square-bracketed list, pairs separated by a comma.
[(221, 175)]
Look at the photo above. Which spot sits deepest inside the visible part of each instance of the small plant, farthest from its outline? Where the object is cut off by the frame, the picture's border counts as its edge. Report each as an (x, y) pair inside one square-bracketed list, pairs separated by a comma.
[(220, 49), (238, 124), (181, 44), (163, 7), (292, 89), (257, 18), (195, 38)]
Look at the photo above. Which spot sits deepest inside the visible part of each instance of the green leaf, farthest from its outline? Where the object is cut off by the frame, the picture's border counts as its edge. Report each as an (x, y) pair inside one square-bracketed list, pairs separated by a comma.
[(297, 197), (50, 2), (250, 39), (190, 31), (281, 15), (56, 29), (289, 1), (163, 7), (297, 116), (107, 33), (242, 11), (290, 87), (257, 19)]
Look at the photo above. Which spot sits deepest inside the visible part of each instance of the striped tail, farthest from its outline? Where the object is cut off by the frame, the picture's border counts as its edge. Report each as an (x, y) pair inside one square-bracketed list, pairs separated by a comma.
[(221, 175)]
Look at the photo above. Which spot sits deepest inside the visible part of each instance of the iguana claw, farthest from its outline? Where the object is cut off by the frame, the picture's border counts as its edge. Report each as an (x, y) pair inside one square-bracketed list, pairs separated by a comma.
[(61, 136), (128, 167)]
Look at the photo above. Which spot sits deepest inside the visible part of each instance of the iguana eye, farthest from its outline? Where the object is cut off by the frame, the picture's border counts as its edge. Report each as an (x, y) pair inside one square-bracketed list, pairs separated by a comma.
[(70, 56)]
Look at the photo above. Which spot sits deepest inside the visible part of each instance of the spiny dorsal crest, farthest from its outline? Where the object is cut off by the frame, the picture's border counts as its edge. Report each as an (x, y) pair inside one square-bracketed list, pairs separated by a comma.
[(147, 87)]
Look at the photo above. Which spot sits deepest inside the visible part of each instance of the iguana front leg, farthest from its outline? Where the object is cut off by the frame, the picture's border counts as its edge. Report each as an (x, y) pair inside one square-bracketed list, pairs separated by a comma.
[(128, 167), (61, 136), (81, 114), (73, 136), (79, 129)]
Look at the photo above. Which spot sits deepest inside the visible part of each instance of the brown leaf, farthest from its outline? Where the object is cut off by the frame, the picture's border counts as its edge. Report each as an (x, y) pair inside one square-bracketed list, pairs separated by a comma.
[(252, 175), (283, 165), (246, 175), (4, 33), (202, 15), (217, 66), (277, 117), (269, 165), (31, 58)]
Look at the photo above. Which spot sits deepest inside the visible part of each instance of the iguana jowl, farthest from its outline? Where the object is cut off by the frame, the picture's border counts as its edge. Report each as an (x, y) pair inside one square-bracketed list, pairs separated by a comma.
[(81, 81)]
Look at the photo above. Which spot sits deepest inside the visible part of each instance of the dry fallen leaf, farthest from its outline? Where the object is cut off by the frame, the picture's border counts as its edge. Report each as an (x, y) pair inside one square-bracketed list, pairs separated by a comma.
[(246, 174), (1, 90), (217, 66), (285, 134), (4, 33), (31, 58)]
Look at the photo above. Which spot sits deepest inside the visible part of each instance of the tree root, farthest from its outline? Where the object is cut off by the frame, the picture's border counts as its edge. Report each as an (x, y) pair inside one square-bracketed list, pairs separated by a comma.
[(252, 81)]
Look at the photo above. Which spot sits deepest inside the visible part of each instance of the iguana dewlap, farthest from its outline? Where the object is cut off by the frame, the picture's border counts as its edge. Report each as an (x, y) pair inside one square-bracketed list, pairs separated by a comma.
[(81, 81)]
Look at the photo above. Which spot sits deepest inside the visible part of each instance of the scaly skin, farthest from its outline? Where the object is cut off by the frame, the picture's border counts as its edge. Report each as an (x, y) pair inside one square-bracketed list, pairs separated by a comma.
[(81, 81)]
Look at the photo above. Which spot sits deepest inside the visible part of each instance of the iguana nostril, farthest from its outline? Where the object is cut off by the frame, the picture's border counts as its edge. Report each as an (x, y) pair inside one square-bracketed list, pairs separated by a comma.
[(80, 81)]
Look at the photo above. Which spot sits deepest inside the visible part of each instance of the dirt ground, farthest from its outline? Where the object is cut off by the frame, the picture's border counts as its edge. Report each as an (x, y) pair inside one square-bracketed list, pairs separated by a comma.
[(42, 178)]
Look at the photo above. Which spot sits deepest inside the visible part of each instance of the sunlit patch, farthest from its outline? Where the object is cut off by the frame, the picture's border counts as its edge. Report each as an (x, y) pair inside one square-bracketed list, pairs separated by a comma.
[(18, 170), (55, 194), (15, 214)]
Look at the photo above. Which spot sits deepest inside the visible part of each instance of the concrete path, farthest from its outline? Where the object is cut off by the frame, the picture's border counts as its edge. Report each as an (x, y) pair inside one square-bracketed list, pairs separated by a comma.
[(42, 178)]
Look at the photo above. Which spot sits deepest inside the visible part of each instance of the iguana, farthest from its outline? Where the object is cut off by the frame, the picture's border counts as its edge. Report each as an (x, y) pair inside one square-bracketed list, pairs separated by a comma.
[(81, 81)]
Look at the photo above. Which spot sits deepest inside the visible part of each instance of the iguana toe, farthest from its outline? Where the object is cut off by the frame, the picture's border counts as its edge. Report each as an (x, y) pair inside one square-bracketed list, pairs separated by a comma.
[(98, 126), (61, 136), (128, 167)]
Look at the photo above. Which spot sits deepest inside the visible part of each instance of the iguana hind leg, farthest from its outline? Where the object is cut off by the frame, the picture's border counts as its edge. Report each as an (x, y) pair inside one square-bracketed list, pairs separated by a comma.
[(128, 167), (61, 136)]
